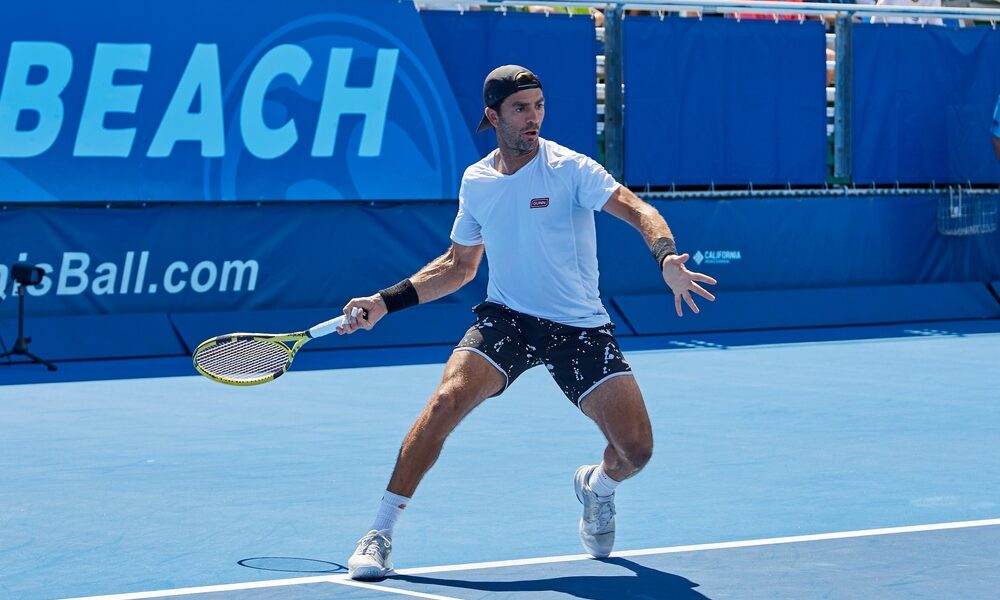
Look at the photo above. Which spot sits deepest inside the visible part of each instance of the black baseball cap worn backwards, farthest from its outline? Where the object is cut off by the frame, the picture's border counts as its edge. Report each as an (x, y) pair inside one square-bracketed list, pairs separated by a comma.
[(502, 82)]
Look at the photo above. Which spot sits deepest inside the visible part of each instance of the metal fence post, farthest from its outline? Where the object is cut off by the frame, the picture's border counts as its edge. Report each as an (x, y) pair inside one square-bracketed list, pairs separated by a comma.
[(613, 98), (842, 109)]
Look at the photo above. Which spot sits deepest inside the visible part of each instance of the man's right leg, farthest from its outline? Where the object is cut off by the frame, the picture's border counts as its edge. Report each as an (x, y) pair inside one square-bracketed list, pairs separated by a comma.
[(468, 379)]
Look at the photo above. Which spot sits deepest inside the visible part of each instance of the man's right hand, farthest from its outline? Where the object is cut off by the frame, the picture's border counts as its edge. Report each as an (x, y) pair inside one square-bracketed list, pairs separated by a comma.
[(367, 312)]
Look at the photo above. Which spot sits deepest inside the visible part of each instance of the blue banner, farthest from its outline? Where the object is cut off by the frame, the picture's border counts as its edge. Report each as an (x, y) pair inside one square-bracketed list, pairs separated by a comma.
[(198, 257), (923, 104), (725, 102), (808, 242), (225, 100), (562, 52)]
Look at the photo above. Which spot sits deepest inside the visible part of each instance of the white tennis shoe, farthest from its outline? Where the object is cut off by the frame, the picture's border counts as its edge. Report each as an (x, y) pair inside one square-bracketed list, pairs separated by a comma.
[(597, 526), (371, 559)]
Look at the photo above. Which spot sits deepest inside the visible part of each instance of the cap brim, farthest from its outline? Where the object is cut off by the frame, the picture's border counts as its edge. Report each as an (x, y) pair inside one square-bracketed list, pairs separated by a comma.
[(484, 124)]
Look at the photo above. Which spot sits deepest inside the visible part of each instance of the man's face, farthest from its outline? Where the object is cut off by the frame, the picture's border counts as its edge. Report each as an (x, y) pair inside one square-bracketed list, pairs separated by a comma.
[(520, 119)]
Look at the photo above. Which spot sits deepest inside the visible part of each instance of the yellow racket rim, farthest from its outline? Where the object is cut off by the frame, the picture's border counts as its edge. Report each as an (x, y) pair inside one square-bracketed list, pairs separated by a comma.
[(245, 359)]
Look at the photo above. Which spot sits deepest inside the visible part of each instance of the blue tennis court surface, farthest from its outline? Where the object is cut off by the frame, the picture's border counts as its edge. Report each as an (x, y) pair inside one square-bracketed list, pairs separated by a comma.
[(179, 487), (887, 563)]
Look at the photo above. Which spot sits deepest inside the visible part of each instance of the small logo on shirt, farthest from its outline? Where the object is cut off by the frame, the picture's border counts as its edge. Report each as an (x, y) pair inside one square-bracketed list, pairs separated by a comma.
[(539, 202)]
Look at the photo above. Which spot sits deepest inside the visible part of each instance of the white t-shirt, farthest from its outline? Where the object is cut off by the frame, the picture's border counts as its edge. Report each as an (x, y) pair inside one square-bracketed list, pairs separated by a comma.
[(538, 228)]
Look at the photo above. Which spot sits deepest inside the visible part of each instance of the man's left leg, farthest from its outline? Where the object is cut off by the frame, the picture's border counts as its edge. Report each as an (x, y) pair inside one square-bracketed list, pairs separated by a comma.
[(619, 410), (616, 405)]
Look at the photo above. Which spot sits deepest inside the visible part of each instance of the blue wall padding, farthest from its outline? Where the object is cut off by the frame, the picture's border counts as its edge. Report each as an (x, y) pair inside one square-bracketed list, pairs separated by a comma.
[(318, 256), (735, 311), (622, 326), (996, 288), (95, 336), (923, 104), (724, 101), (562, 52), (784, 243), (309, 255), (435, 323)]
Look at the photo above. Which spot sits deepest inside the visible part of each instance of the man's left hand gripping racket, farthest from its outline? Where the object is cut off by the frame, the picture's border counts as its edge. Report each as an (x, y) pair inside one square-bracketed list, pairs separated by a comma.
[(255, 358)]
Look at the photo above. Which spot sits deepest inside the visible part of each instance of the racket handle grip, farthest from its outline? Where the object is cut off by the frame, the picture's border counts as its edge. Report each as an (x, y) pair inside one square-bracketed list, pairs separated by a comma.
[(326, 327)]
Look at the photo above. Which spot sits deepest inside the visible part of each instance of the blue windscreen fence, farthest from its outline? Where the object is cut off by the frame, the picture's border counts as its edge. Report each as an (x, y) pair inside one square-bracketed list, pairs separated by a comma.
[(923, 104), (180, 274), (378, 101), (306, 100), (560, 49), (202, 258), (197, 257), (725, 102)]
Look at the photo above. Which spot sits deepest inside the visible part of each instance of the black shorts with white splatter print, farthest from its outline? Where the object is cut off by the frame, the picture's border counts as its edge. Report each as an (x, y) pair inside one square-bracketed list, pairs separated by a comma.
[(579, 359)]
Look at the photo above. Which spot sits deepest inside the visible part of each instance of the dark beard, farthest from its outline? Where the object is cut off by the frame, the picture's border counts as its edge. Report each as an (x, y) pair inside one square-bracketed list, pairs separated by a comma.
[(514, 142)]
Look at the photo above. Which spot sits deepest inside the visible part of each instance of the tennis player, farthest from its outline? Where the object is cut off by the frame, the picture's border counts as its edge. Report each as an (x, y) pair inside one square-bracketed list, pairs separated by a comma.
[(530, 205)]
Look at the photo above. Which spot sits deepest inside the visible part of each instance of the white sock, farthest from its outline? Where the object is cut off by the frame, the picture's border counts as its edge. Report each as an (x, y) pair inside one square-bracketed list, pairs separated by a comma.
[(600, 483), (389, 509)]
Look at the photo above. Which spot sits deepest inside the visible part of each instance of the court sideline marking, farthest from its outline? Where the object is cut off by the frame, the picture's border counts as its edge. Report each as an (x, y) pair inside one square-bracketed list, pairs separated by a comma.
[(344, 580), (372, 586)]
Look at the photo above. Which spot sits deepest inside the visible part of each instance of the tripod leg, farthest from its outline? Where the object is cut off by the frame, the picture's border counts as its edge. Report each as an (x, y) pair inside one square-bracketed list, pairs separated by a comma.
[(21, 345), (51, 366)]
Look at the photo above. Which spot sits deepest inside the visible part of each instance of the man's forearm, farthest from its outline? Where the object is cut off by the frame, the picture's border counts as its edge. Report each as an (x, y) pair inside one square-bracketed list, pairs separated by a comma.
[(440, 277), (651, 224), (645, 219)]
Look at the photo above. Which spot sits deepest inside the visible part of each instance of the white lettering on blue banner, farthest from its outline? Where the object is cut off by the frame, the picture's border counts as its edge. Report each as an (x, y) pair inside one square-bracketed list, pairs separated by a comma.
[(129, 276), (103, 97), (201, 77), (18, 96), (23, 98)]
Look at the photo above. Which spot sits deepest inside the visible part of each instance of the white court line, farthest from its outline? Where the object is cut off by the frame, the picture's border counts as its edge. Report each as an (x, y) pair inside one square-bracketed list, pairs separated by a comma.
[(342, 579), (371, 586), (226, 587), (714, 546)]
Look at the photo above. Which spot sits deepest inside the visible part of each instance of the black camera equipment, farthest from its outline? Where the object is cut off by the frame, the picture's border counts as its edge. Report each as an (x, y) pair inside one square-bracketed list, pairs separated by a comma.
[(26, 276)]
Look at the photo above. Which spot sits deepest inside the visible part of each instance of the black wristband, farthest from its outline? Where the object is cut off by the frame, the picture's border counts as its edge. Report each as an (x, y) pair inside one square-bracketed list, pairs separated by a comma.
[(662, 248), (400, 296)]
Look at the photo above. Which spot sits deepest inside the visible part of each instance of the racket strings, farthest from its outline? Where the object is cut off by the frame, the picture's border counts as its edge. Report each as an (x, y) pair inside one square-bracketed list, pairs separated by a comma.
[(243, 359)]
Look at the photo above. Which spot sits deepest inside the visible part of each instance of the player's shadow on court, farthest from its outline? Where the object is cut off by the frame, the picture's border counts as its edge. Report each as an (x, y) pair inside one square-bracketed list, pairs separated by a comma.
[(644, 583)]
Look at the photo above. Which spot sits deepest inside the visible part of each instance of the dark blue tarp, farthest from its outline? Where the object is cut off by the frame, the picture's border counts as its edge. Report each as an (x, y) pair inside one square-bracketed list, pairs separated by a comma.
[(923, 104), (560, 49), (724, 102)]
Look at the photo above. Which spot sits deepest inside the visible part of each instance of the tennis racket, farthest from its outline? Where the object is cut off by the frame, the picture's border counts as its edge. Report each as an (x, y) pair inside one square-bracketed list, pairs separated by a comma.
[(255, 358)]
